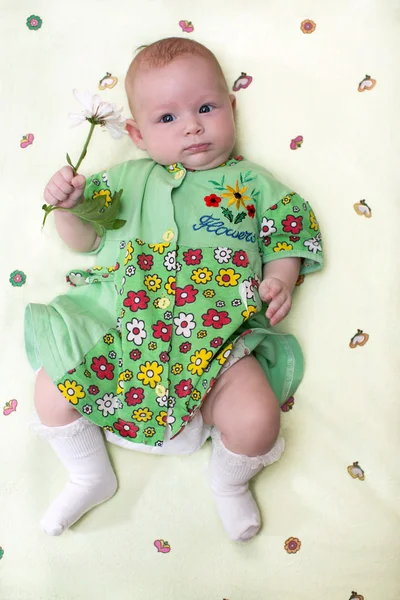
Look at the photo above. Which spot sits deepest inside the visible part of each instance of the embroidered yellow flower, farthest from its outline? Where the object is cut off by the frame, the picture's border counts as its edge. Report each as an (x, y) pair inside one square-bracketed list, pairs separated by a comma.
[(201, 334), (159, 247), (199, 361), (227, 277), (177, 368), (236, 196), (150, 373), (161, 418), (168, 286), (201, 275), (209, 293), (142, 414), (149, 431), (128, 253), (106, 194), (152, 282), (223, 355), (108, 338), (195, 395), (313, 221), (282, 246), (71, 391), (248, 312)]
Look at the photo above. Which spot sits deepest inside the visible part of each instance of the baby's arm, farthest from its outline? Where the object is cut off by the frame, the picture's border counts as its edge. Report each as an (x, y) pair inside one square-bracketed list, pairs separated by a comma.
[(279, 280), (66, 189)]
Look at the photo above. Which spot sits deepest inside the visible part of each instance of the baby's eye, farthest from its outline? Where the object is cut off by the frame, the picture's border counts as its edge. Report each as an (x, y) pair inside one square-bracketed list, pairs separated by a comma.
[(205, 108), (167, 119)]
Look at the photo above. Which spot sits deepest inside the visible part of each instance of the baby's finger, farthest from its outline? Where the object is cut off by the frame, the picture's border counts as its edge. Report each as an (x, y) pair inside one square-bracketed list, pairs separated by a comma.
[(269, 289), (53, 194), (63, 184), (282, 312), (275, 305)]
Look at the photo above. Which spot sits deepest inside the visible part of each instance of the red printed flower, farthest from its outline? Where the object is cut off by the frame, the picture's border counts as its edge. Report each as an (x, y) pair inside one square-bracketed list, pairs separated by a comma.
[(239, 157), (185, 347), (294, 238), (134, 396), (102, 368), (267, 241), (216, 342), (212, 200), (184, 388), (135, 354), (240, 258), (164, 357), (292, 224), (137, 300), (193, 257), (93, 389), (126, 429), (162, 330), (145, 261), (215, 318), (251, 210), (186, 295)]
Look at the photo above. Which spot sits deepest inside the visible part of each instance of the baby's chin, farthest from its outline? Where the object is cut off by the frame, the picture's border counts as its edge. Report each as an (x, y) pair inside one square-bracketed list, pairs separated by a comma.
[(204, 160)]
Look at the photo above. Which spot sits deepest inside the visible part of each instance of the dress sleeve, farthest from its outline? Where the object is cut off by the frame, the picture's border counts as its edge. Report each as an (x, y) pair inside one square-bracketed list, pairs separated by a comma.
[(288, 226), (97, 185)]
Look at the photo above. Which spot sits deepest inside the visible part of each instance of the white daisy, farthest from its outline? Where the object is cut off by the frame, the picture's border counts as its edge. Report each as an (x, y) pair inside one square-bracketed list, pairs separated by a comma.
[(222, 255), (170, 261), (130, 270), (184, 324), (313, 245), (137, 332), (99, 112), (267, 227), (108, 404), (162, 400)]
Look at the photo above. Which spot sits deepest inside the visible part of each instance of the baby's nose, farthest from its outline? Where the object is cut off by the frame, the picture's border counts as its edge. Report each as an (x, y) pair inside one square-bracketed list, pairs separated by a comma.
[(194, 127)]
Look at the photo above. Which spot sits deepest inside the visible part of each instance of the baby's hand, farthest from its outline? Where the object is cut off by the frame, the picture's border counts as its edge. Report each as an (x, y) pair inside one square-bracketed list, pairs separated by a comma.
[(277, 293), (64, 188)]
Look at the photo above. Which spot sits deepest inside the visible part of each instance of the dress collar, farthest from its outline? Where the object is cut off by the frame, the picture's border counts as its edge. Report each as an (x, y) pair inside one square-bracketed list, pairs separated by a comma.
[(177, 167)]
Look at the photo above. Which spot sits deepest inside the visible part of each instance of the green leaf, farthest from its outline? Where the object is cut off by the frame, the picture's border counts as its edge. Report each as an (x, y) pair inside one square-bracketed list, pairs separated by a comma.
[(239, 217), (94, 211), (227, 213), (69, 161)]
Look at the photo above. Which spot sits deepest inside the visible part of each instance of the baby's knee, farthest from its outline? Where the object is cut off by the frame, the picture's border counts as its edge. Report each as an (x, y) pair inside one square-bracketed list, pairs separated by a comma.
[(256, 430), (51, 406)]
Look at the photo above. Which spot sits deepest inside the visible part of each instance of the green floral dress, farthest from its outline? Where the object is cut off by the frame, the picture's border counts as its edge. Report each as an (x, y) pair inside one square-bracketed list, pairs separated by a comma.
[(138, 341)]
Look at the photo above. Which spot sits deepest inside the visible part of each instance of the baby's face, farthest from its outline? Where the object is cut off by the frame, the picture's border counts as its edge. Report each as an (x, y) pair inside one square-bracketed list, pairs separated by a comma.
[(183, 113)]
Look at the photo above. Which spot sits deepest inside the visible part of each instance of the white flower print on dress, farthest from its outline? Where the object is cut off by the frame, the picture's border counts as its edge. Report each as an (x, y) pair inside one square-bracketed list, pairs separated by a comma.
[(171, 402), (170, 261), (118, 325), (170, 417), (122, 245), (247, 288), (87, 409), (162, 400), (130, 270), (184, 324), (105, 179), (313, 245), (267, 227), (137, 332), (108, 404), (222, 255)]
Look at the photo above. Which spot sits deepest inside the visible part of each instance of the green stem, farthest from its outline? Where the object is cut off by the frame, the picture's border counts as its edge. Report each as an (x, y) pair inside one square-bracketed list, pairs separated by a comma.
[(85, 147), (48, 209)]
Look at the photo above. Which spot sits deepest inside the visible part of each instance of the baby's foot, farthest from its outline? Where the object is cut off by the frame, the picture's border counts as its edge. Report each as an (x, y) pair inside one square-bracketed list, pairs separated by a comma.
[(78, 497), (238, 511)]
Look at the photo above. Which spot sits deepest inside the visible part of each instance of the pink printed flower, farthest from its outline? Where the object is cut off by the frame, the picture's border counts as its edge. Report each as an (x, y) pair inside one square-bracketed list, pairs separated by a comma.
[(212, 200), (145, 261), (102, 368), (134, 396), (292, 224), (215, 318), (294, 238), (240, 258), (186, 295), (93, 390), (162, 331), (137, 300), (184, 388), (193, 257), (164, 357), (216, 342), (185, 347), (126, 429)]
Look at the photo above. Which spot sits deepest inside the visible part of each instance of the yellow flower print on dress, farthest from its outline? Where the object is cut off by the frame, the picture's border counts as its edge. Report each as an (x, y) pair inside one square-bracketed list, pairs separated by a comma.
[(313, 222), (139, 242), (223, 355), (236, 196), (71, 391), (209, 293), (152, 346), (177, 368), (152, 282), (195, 395), (159, 247), (281, 246), (142, 414), (106, 194), (124, 376), (201, 275), (201, 334), (199, 361), (250, 310), (170, 282), (108, 339), (128, 253), (149, 431), (150, 373), (161, 303), (227, 277), (87, 373), (161, 418)]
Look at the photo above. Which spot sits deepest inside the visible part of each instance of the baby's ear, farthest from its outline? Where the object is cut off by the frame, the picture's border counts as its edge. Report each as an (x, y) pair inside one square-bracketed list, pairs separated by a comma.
[(134, 133)]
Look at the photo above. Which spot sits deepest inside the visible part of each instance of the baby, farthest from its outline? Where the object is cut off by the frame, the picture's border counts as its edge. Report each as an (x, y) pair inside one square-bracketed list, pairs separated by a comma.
[(168, 341)]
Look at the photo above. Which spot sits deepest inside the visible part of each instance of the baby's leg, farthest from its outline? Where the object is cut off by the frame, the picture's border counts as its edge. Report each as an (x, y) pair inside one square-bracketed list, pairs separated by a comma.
[(79, 444), (246, 417)]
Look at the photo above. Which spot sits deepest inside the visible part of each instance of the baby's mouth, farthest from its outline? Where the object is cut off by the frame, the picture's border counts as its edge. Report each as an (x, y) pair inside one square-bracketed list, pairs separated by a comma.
[(197, 148)]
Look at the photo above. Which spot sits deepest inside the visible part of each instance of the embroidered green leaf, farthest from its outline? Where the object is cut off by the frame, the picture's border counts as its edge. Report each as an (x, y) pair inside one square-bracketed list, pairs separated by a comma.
[(241, 179), (223, 180), (214, 182), (239, 217), (227, 213), (254, 196)]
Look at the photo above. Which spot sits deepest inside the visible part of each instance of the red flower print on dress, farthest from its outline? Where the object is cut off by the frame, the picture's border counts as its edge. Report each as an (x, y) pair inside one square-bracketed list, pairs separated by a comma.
[(251, 210), (185, 347), (274, 207), (215, 318), (162, 331), (184, 388), (216, 342), (294, 238), (193, 257), (134, 396), (102, 368), (126, 429), (292, 224), (164, 357), (267, 241), (135, 354), (145, 261), (93, 389), (240, 259), (137, 300), (212, 200), (186, 295)]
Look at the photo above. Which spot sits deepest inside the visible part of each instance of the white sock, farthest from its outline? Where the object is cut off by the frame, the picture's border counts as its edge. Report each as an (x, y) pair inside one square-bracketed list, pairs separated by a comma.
[(80, 447), (229, 477)]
